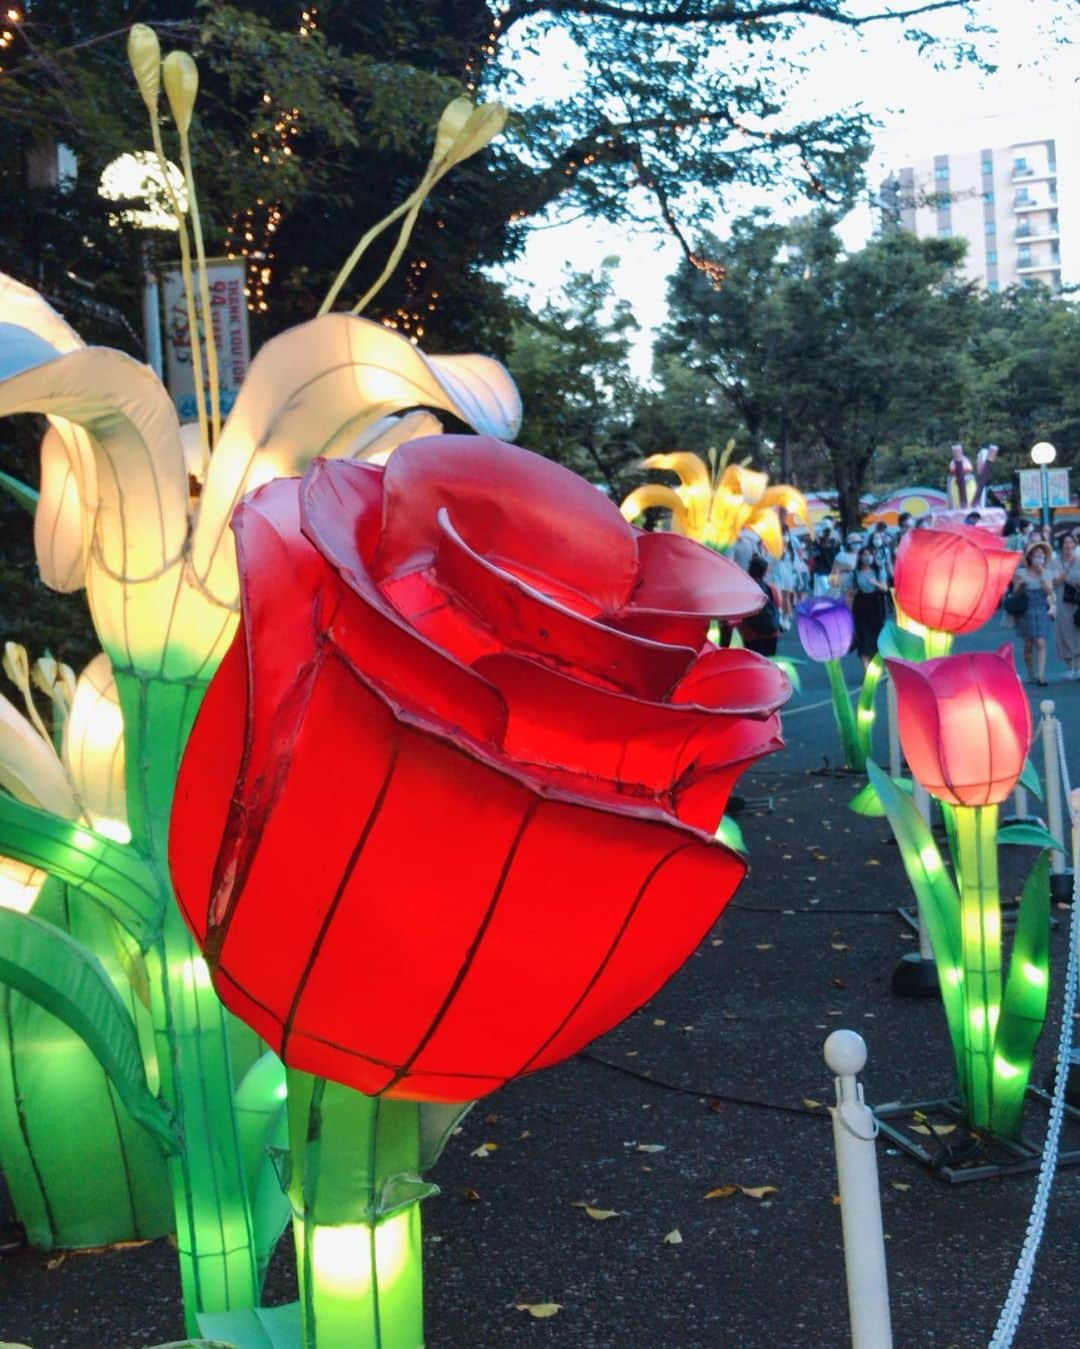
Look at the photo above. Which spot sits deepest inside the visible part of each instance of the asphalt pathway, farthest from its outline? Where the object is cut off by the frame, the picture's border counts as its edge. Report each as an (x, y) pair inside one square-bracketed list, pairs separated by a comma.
[(719, 1082)]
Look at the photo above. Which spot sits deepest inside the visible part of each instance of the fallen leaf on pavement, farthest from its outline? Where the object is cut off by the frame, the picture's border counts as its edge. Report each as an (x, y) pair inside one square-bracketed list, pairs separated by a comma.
[(673, 1238), (757, 1191), (598, 1213), (723, 1192), (651, 1147), (539, 1309)]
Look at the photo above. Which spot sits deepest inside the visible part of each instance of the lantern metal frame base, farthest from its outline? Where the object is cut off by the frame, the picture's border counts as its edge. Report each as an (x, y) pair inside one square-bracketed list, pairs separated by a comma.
[(986, 1158), (1061, 886), (915, 976)]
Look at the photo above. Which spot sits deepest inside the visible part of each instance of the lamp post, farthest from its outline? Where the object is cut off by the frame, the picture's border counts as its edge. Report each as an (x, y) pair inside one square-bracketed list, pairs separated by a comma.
[(1044, 455)]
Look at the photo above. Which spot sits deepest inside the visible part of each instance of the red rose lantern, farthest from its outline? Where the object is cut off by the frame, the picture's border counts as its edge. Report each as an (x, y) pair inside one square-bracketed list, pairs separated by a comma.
[(447, 811), (952, 580), (965, 725)]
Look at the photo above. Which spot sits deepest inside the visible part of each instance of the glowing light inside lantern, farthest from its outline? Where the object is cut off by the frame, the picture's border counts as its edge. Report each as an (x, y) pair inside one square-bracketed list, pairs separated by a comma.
[(1033, 974), (342, 1256), (19, 885)]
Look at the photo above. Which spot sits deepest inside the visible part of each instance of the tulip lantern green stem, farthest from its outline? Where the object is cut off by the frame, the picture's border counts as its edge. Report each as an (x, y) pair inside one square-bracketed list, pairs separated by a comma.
[(214, 1235), (937, 643), (353, 1182), (980, 945), (864, 714), (854, 756)]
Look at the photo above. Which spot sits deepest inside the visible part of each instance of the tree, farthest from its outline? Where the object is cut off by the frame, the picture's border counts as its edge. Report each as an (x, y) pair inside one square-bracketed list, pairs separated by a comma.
[(831, 354), (741, 338), (570, 364), (1024, 354), (312, 122)]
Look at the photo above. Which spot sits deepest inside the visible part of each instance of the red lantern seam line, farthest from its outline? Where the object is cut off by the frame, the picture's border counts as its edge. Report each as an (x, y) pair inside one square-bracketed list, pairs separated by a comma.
[(608, 956), (474, 948), (217, 932), (346, 876)]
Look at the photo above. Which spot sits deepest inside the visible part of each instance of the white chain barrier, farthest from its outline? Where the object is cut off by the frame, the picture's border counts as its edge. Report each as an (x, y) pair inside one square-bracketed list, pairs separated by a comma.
[(1013, 1309)]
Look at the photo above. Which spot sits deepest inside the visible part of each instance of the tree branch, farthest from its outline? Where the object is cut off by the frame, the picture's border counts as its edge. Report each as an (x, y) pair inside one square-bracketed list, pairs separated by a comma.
[(686, 13)]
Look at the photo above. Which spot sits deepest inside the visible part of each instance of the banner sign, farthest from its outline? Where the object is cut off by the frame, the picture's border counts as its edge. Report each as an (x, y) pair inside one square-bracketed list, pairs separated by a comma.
[(1057, 488), (228, 308)]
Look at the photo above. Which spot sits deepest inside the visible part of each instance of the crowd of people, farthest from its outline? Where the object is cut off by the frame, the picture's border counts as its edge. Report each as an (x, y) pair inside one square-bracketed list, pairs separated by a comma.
[(858, 568)]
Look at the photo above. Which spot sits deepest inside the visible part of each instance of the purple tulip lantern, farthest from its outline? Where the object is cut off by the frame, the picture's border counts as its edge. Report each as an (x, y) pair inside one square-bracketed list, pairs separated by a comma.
[(825, 628), (825, 631)]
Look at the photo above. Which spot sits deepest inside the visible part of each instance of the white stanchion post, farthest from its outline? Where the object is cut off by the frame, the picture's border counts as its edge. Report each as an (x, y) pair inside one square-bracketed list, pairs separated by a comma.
[(854, 1133), (921, 797), (894, 728), (1020, 804), (1052, 782)]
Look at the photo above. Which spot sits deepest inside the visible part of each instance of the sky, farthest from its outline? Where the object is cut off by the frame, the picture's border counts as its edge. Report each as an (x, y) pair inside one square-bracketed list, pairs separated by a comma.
[(923, 111)]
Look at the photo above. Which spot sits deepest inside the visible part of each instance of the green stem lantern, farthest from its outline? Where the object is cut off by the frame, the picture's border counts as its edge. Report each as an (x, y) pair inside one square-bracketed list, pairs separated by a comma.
[(980, 948), (354, 1185), (850, 740)]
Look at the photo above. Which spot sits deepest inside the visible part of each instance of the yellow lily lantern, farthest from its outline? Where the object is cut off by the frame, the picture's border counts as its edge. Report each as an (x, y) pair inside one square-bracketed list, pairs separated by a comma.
[(714, 505)]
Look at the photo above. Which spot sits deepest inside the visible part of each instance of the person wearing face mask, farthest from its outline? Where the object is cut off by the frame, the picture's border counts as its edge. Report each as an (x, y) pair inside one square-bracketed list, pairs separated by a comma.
[(1033, 625)]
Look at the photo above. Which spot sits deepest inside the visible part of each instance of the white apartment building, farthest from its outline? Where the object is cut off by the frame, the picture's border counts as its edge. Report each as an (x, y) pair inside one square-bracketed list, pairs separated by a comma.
[(1003, 201)]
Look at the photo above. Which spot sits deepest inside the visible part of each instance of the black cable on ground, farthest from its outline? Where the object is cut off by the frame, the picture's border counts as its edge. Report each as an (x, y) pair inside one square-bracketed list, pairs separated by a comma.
[(869, 913), (726, 1098)]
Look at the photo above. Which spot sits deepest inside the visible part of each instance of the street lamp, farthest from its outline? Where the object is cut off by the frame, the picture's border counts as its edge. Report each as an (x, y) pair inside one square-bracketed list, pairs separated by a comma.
[(1044, 455), (138, 177)]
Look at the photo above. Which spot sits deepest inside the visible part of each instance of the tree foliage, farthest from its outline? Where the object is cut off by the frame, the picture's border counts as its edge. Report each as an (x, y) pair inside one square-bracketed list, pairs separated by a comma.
[(570, 363), (327, 121), (827, 357)]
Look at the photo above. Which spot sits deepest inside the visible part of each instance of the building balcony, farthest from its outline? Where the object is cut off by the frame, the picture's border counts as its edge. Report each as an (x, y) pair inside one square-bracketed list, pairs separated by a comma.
[(1031, 268), (1033, 175), (1050, 204), (1036, 236)]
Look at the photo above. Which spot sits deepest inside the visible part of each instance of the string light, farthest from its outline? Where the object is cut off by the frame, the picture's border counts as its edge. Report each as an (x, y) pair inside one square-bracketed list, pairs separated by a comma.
[(251, 232), (7, 35)]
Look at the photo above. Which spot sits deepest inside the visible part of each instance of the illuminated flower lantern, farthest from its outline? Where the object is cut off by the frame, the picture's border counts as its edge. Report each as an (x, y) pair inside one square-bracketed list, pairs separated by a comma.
[(951, 580), (492, 703), (714, 504), (965, 728), (136, 509), (48, 1075), (826, 629)]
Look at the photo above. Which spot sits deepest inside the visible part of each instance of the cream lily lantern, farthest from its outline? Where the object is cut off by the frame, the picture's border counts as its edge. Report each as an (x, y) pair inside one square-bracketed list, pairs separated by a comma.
[(122, 510), (135, 507)]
